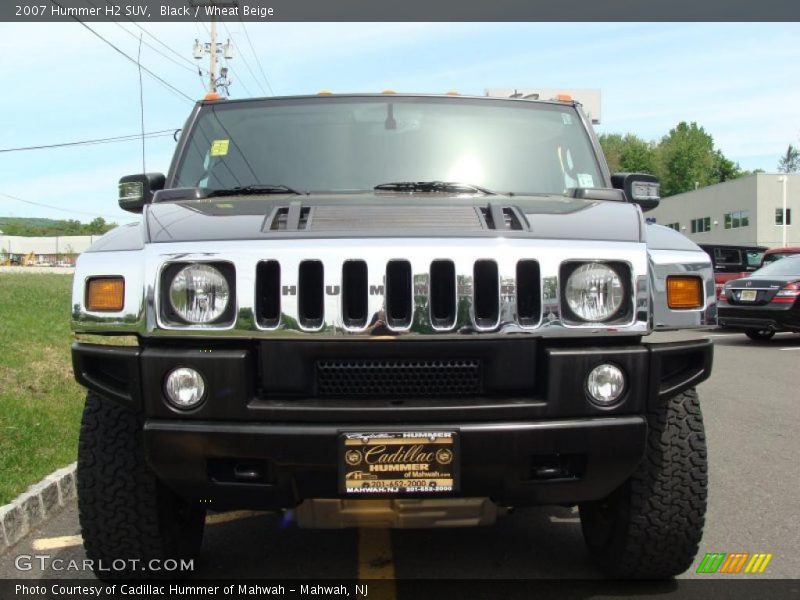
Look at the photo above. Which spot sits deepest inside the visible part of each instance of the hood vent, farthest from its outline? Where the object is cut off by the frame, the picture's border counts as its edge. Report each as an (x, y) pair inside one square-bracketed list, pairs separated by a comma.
[(504, 218), (289, 218), (408, 218)]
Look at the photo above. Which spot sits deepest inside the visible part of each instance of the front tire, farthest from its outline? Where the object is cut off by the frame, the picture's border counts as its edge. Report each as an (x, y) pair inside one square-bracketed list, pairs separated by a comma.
[(125, 512), (651, 526), (760, 335)]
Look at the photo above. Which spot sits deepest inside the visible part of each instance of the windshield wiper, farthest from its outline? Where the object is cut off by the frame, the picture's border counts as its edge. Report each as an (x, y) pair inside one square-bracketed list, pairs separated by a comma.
[(255, 189), (432, 186)]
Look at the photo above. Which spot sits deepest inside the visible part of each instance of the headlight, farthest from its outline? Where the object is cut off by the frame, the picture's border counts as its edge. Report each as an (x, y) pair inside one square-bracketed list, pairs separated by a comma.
[(594, 292), (199, 293)]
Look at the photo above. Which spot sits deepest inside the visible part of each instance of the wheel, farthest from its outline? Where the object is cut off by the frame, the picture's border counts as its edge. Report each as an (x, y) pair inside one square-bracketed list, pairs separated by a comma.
[(651, 526), (124, 511), (760, 335)]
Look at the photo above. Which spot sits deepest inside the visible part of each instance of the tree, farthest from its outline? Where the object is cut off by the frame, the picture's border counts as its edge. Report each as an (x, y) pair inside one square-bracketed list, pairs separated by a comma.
[(687, 159), (790, 162), (612, 148), (629, 154), (725, 169), (97, 226)]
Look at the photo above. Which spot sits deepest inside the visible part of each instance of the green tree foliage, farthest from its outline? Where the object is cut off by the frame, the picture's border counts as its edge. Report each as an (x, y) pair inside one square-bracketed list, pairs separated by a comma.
[(687, 159), (51, 227), (683, 159), (790, 162), (629, 153)]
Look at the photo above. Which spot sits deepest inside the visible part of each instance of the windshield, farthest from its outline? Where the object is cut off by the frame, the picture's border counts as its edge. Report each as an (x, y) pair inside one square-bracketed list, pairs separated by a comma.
[(345, 144), (754, 258), (790, 265), (770, 258)]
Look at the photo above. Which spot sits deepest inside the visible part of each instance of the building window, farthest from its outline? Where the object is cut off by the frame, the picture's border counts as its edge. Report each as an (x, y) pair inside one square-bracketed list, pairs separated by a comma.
[(779, 216), (734, 220), (701, 225), (675, 226)]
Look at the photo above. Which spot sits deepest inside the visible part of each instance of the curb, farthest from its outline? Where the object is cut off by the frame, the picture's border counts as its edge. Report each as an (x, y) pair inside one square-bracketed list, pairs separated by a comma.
[(37, 504)]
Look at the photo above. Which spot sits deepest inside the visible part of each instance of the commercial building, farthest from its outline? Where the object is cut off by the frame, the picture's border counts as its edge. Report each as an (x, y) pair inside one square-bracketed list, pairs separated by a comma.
[(744, 211), (50, 250)]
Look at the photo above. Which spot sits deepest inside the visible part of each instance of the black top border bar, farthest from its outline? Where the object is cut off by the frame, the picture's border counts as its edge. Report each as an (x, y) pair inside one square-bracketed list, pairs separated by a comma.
[(402, 10)]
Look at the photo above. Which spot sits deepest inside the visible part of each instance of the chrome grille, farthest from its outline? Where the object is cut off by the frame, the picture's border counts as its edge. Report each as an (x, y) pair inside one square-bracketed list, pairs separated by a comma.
[(394, 297)]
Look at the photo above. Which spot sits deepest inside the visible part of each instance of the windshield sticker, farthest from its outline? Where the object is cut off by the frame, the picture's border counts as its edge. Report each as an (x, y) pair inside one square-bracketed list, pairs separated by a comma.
[(219, 147), (585, 180), (567, 118)]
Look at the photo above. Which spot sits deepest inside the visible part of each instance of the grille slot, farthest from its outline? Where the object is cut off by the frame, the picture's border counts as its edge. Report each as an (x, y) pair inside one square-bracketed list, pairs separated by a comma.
[(487, 294), (311, 298), (354, 293), (268, 293), (529, 300), (398, 293), (443, 293), (354, 378)]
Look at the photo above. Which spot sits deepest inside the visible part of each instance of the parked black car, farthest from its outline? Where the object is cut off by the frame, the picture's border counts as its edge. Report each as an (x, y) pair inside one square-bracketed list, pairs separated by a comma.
[(765, 302)]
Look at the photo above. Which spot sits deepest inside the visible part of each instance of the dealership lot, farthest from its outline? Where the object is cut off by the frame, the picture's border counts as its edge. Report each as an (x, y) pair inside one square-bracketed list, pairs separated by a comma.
[(751, 414)]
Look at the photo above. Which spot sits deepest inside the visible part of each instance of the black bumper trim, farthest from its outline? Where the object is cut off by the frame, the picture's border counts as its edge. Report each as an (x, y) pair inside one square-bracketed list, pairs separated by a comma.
[(112, 371), (496, 458), (134, 377)]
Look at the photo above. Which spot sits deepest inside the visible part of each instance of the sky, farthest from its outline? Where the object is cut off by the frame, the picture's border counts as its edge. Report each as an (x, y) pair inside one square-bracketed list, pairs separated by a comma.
[(741, 82)]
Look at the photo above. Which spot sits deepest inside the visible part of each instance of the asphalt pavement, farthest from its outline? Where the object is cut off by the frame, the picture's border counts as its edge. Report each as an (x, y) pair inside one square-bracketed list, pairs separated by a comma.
[(751, 408)]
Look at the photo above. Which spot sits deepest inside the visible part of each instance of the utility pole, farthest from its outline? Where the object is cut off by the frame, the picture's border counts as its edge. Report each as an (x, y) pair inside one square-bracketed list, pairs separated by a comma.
[(212, 56), (213, 49)]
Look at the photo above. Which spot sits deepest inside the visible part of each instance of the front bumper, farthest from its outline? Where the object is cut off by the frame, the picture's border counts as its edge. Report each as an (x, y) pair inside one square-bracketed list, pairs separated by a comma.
[(534, 438), (501, 461)]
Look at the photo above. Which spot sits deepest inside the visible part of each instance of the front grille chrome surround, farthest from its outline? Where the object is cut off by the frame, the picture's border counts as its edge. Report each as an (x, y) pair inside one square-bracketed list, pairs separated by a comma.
[(472, 268)]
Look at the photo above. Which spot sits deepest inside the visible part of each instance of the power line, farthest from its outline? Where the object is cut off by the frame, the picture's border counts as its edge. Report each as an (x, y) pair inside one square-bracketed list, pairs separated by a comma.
[(244, 59), (156, 50), (68, 210), (153, 48), (255, 54), (147, 33), (108, 140), (133, 60)]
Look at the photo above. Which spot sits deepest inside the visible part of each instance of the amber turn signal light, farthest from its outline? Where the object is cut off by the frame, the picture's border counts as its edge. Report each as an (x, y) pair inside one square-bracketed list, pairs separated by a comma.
[(105, 294), (684, 291)]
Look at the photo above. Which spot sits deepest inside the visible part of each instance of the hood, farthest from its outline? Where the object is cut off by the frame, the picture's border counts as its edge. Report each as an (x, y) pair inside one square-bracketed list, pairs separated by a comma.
[(390, 215)]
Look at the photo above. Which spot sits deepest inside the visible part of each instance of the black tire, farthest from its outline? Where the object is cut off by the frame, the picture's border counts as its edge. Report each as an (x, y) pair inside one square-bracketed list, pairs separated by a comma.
[(651, 526), (125, 512), (760, 335)]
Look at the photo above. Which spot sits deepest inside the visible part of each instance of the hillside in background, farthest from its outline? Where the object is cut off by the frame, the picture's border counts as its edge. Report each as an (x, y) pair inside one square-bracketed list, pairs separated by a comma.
[(52, 227)]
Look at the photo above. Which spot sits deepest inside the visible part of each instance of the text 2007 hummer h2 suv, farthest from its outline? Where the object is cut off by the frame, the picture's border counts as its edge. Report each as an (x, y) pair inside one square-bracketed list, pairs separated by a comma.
[(391, 310)]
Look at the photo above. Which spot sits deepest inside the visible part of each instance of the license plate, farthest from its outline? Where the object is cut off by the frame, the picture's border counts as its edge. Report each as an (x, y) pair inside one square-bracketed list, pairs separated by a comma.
[(398, 463), (748, 295)]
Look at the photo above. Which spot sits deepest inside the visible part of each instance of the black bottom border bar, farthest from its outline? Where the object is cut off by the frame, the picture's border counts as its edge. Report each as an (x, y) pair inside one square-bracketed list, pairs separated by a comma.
[(562, 589)]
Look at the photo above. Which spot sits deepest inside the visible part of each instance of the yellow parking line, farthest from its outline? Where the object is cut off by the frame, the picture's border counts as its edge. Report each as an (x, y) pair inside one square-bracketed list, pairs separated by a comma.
[(375, 560), (235, 515), (64, 541)]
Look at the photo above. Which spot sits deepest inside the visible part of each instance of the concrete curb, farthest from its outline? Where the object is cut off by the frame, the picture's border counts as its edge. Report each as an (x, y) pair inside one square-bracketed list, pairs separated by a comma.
[(40, 502)]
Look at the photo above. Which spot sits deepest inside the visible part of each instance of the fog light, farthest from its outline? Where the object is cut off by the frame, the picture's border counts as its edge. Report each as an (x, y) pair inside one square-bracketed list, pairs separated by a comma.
[(605, 384), (185, 388)]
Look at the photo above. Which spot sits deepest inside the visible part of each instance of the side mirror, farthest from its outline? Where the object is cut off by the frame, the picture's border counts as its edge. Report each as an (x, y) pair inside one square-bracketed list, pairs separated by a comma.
[(639, 188), (137, 190)]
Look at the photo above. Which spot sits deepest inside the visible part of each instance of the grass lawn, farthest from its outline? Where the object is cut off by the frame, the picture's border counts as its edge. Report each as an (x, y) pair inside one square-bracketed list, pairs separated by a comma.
[(40, 403)]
